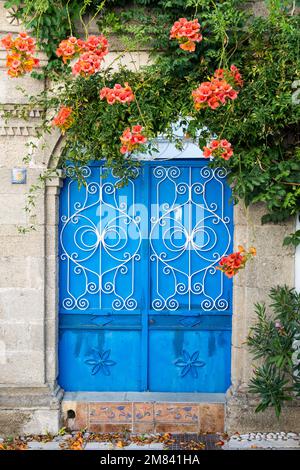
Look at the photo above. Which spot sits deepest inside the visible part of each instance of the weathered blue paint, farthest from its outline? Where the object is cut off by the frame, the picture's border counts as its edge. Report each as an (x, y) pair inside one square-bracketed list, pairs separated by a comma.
[(142, 306)]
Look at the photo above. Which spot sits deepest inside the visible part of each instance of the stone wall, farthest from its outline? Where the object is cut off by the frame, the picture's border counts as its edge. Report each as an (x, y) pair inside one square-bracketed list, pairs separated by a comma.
[(273, 266), (29, 395)]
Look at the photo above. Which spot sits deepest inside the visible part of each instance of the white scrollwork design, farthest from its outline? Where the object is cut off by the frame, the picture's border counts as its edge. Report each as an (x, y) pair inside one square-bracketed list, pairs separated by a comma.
[(98, 255), (101, 235), (189, 235)]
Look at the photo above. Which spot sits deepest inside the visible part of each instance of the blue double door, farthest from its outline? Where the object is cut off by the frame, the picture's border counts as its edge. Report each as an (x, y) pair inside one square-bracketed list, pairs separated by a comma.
[(142, 303)]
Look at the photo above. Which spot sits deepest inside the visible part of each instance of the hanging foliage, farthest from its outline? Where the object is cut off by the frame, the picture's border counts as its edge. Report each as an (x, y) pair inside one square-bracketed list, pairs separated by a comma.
[(228, 79)]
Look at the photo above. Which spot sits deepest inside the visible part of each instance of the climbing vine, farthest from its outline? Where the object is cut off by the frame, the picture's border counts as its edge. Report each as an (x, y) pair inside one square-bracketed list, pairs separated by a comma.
[(248, 66)]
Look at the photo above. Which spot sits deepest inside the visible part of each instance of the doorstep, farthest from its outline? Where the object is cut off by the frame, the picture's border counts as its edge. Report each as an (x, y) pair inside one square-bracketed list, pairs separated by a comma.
[(144, 412)]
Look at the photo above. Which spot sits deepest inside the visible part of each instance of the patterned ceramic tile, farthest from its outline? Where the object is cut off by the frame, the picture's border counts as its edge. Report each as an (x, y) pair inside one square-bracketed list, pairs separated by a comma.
[(110, 413), (176, 413), (143, 412)]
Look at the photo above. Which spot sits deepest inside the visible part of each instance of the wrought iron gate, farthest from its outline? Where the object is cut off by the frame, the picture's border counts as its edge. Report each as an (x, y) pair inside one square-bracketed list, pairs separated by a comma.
[(142, 305)]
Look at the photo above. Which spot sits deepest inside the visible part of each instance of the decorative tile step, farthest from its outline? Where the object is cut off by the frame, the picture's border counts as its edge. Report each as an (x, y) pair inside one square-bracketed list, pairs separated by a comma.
[(144, 416)]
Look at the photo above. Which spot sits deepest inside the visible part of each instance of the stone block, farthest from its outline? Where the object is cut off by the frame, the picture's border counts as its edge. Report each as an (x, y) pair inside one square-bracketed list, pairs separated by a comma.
[(18, 244), (7, 22), (211, 417), (22, 336), (12, 422), (36, 445), (99, 446), (7, 187), (21, 272), (154, 446), (18, 304), (241, 416), (266, 272), (132, 60), (268, 240), (12, 209), (10, 92), (240, 214), (23, 367), (43, 421)]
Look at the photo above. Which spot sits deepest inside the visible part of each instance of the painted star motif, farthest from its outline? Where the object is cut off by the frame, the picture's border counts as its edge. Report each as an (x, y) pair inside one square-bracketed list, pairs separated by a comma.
[(102, 363), (189, 364)]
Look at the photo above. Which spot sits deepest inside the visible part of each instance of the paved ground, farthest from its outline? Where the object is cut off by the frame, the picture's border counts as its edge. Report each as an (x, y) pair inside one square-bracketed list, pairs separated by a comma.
[(120, 441), (126, 441)]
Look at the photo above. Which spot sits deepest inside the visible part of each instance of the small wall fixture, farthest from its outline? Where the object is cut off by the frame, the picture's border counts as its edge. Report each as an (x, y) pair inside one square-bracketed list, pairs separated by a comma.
[(18, 175)]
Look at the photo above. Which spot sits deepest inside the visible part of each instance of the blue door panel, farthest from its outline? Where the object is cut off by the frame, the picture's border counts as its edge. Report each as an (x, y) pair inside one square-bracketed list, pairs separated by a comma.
[(142, 303), (190, 232), (189, 361), (100, 360)]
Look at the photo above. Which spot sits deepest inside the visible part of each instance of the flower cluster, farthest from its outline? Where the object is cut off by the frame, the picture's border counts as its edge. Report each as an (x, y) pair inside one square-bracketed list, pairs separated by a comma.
[(119, 93), (231, 264), (218, 148), (64, 119), (87, 64), (90, 53), (213, 94), (187, 33), (232, 75), (70, 48), (19, 59), (132, 138)]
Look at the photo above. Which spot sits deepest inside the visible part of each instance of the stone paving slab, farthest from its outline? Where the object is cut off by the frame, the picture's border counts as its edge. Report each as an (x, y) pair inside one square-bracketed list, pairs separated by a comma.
[(91, 441), (252, 441), (55, 445), (35, 445), (133, 446), (99, 446)]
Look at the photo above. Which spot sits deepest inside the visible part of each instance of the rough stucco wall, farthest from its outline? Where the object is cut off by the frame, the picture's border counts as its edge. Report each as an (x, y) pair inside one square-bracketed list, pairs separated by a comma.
[(28, 278)]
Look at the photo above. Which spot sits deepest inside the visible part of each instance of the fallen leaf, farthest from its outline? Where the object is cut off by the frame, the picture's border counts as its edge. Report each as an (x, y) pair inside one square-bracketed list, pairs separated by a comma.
[(220, 443)]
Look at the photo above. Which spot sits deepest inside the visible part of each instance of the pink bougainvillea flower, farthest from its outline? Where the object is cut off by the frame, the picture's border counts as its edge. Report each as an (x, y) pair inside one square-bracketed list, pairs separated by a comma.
[(132, 138), (64, 119), (117, 94), (218, 148), (231, 264), (187, 33), (19, 59)]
